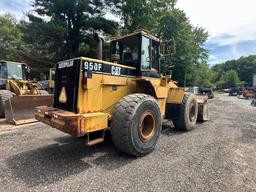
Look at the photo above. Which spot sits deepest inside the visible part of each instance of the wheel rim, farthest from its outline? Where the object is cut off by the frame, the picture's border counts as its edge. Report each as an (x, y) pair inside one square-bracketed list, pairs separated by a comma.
[(192, 112), (147, 126)]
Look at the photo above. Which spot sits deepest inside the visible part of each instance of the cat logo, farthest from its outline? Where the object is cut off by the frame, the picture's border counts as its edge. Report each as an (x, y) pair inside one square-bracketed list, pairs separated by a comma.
[(63, 95), (115, 70)]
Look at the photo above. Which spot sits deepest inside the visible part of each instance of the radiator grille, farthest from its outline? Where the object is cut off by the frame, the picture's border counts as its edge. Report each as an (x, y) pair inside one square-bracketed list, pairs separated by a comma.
[(67, 76)]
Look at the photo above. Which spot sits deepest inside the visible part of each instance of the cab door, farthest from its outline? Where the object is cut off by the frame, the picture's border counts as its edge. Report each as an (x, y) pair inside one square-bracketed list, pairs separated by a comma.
[(149, 56)]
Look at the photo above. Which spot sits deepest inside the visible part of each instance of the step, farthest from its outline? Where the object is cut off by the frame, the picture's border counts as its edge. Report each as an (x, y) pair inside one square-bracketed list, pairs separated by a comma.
[(95, 141)]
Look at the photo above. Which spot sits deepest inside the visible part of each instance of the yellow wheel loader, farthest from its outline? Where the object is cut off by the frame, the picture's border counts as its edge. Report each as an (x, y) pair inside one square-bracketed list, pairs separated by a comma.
[(18, 96), (129, 96)]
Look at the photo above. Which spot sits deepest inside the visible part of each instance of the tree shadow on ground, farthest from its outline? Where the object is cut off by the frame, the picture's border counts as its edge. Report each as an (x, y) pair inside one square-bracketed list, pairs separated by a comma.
[(168, 129), (69, 156)]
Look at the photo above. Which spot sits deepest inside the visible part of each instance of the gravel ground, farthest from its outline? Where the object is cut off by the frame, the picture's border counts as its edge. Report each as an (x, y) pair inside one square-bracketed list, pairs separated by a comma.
[(219, 155)]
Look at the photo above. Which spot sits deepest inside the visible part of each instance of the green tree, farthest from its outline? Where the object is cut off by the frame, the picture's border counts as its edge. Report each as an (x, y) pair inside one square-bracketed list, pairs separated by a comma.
[(11, 43), (204, 76), (229, 79), (244, 66), (145, 14), (61, 29), (189, 45)]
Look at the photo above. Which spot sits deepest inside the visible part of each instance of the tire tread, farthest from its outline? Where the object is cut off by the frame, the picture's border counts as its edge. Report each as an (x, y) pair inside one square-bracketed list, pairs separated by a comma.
[(4, 96), (178, 119), (121, 120)]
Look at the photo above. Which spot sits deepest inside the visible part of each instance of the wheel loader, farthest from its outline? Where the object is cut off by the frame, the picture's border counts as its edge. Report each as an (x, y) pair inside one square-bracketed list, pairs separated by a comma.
[(19, 96), (127, 96)]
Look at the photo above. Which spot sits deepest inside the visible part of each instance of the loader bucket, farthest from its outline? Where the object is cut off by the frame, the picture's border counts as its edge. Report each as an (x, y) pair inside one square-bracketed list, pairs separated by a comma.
[(21, 109)]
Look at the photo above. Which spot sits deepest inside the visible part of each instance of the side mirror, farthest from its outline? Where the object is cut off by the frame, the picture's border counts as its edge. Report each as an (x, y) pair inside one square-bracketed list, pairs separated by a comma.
[(28, 69)]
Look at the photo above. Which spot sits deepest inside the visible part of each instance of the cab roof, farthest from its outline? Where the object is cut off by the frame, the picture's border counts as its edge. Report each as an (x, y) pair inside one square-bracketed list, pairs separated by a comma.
[(139, 31), (12, 62)]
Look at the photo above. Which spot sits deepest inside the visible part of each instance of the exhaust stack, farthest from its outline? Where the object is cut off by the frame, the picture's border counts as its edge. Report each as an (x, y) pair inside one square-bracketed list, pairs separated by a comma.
[(99, 41)]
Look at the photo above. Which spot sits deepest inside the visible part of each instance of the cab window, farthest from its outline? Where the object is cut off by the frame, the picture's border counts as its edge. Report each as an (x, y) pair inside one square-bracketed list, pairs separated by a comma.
[(145, 53), (15, 71), (128, 50)]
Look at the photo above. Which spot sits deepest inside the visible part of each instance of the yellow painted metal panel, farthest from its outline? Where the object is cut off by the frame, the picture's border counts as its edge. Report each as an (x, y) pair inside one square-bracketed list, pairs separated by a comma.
[(111, 94), (162, 104), (102, 92), (112, 80), (175, 95), (161, 92), (172, 84), (92, 122)]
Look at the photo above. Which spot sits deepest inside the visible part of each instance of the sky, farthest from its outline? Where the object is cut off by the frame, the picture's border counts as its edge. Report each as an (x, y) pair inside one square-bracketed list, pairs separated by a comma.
[(15, 7), (230, 23)]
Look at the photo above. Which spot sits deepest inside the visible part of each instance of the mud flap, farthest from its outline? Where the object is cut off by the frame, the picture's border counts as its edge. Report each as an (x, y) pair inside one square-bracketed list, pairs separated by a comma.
[(21, 109)]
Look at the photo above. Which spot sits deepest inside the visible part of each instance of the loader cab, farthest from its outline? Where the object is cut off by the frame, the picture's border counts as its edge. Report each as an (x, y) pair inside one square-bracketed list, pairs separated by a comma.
[(139, 50), (12, 70)]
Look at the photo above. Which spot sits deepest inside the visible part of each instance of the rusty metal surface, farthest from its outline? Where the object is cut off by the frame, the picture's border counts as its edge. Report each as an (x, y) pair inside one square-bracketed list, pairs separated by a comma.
[(67, 122), (74, 124), (201, 99), (21, 109)]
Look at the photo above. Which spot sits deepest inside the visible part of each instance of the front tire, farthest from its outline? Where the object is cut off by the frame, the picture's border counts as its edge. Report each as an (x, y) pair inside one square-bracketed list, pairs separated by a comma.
[(136, 124), (4, 96)]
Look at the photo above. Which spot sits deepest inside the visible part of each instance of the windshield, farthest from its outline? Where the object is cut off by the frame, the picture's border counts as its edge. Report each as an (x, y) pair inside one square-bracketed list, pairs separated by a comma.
[(15, 71), (128, 50), (10, 70)]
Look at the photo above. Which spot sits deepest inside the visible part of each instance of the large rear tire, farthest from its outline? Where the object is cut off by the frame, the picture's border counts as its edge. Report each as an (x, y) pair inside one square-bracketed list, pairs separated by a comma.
[(185, 117), (136, 124), (4, 96)]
